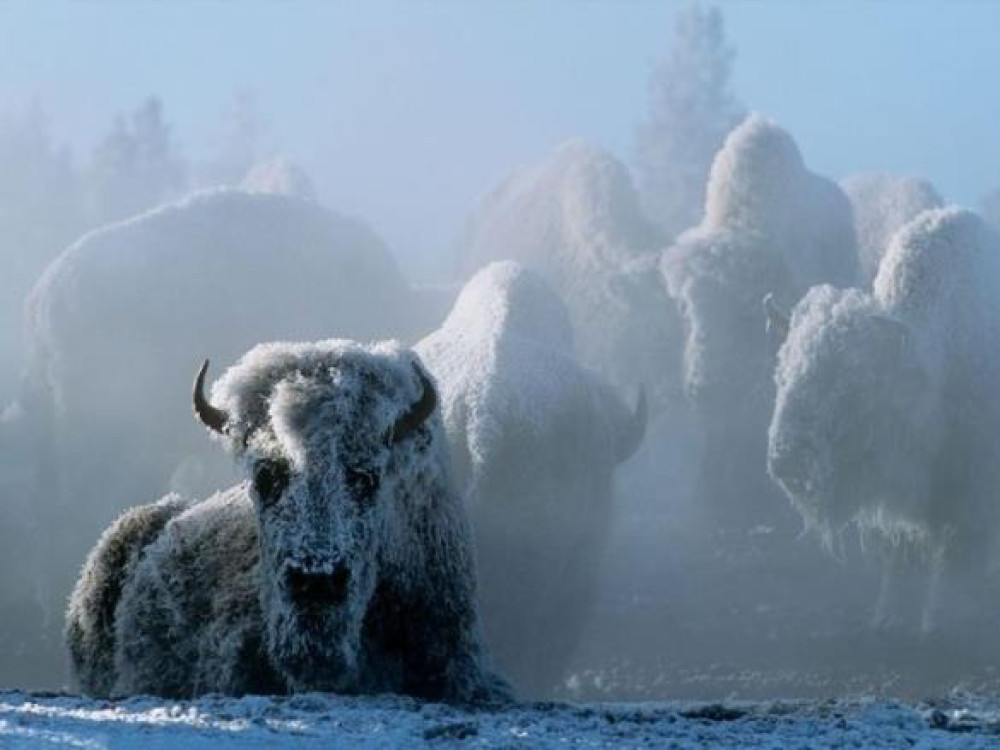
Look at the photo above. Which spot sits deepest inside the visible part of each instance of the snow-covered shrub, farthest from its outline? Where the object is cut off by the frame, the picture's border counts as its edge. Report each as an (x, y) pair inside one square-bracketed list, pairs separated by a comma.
[(882, 204), (771, 227), (576, 221), (343, 564), (116, 320), (886, 412), (536, 439)]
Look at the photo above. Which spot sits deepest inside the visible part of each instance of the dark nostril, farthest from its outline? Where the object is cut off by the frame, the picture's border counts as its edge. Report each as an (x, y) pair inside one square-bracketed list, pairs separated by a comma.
[(307, 587)]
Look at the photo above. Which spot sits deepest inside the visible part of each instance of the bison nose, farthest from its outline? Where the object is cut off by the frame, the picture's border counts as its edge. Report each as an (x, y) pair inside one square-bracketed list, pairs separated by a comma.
[(311, 588)]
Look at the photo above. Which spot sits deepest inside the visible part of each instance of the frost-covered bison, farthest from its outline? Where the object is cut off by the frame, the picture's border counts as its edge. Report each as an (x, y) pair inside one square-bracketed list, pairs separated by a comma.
[(342, 564), (576, 221), (536, 440), (111, 325), (771, 227), (882, 204), (887, 411)]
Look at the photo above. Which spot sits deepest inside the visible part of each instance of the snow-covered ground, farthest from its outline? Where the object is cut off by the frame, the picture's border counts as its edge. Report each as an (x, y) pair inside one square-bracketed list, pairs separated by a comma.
[(315, 720)]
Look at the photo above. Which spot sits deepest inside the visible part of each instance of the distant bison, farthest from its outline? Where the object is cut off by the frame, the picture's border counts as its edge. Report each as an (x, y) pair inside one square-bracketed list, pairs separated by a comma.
[(343, 564), (770, 226), (881, 205), (216, 272)]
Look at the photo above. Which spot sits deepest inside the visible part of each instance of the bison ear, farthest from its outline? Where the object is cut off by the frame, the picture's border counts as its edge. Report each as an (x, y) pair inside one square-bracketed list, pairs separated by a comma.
[(776, 321), (418, 413)]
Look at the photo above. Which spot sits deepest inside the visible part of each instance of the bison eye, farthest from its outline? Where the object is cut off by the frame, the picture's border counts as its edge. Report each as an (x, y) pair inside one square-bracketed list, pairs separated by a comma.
[(270, 479), (363, 483)]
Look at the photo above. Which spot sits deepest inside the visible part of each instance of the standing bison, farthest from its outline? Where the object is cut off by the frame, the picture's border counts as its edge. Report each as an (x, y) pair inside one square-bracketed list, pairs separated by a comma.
[(576, 221), (536, 440), (770, 226), (881, 205), (343, 563), (887, 414)]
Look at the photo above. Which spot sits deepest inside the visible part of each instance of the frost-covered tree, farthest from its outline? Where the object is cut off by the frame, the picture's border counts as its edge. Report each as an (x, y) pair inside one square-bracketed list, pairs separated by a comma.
[(237, 148), (135, 167), (691, 110)]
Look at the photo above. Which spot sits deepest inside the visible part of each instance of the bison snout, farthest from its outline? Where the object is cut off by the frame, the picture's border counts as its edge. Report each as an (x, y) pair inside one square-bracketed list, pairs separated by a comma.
[(308, 588)]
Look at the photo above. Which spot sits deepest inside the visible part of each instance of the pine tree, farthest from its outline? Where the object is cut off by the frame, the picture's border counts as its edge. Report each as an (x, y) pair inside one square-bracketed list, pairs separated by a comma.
[(135, 167), (691, 111), (40, 213), (237, 147)]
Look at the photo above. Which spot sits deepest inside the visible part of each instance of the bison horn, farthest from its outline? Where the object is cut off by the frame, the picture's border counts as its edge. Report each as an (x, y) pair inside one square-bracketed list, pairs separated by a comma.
[(214, 419), (418, 413), (636, 429)]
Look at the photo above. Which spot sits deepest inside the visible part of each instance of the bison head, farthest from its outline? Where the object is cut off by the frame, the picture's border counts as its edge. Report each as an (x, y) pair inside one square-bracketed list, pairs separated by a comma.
[(334, 438), (852, 428)]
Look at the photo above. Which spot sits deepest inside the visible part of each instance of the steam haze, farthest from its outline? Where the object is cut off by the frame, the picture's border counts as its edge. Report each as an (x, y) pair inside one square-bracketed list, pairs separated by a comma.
[(625, 184)]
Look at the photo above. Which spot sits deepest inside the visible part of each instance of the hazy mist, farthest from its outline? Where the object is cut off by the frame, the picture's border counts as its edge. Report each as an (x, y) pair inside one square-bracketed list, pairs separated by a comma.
[(811, 509)]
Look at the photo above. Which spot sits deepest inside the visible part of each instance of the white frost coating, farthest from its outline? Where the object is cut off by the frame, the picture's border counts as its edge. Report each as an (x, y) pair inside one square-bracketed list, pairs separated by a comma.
[(536, 439), (882, 204), (575, 220), (121, 318), (761, 191), (279, 175), (344, 563), (771, 227), (886, 411)]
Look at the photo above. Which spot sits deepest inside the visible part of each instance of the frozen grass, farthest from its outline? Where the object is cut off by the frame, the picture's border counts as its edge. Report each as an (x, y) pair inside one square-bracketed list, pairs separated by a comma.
[(318, 720)]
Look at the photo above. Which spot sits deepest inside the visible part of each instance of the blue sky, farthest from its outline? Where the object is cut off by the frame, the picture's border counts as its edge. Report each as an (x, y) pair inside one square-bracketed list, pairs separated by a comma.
[(405, 111)]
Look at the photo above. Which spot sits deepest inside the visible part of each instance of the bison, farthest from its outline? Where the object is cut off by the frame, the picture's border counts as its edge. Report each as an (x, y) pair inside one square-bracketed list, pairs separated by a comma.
[(343, 563), (537, 440)]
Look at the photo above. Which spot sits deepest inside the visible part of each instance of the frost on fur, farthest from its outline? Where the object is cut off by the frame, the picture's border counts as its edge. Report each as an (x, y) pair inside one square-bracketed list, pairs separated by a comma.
[(882, 204), (771, 230), (886, 411), (536, 439), (343, 563)]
